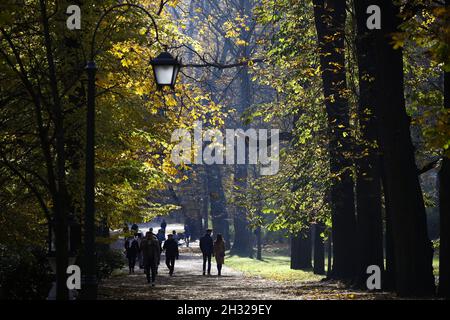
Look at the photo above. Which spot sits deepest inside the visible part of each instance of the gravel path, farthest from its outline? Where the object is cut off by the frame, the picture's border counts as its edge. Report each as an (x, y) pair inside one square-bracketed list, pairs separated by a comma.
[(189, 283)]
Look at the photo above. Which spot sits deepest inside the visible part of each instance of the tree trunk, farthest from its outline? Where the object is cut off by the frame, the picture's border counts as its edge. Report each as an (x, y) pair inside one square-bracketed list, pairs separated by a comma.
[(258, 244), (219, 214), (389, 275), (368, 180), (329, 254), (330, 19), (301, 248), (444, 207), (61, 206), (242, 244), (412, 247), (193, 220), (319, 249), (205, 203)]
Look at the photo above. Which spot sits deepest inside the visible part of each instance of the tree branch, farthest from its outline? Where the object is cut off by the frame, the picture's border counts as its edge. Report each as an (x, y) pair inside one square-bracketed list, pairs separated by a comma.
[(218, 65), (429, 166)]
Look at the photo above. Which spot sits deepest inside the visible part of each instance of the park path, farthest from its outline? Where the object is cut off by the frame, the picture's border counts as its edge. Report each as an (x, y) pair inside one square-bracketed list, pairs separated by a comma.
[(189, 283)]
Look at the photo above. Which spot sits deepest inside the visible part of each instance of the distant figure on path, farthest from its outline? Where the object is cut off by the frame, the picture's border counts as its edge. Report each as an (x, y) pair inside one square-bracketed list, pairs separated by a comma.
[(164, 225), (187, 234), (207, 247), (140, 237), (175, 236), (171, 248), (132, 251), (219, 253), (161, 236), (151, 254)]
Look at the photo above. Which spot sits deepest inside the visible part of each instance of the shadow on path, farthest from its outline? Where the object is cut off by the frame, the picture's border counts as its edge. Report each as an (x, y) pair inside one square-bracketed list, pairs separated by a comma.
[(189, 283)]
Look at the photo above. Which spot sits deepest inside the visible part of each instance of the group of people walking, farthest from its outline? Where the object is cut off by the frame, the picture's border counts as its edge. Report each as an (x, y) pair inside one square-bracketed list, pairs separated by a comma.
[(148, 251), (209, 248)]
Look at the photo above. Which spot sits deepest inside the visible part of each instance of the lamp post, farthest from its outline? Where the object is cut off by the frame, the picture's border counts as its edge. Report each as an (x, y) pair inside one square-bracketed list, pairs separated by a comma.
[(165, 69)]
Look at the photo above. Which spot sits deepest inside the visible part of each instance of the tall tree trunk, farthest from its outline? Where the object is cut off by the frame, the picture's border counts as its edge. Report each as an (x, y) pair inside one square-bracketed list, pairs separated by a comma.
[(301, 248), (61, 206), (319, 249), (193, 221), (205, 202), (258, 243), (444, 207), (243, 244), (214, 184), (219, 214), (330, 19), (329, 254), (389, 274), (412, 247), (368, 180)]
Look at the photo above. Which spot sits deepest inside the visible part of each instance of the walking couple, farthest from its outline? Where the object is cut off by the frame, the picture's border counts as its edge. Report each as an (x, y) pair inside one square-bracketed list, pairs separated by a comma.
[(215, 248)]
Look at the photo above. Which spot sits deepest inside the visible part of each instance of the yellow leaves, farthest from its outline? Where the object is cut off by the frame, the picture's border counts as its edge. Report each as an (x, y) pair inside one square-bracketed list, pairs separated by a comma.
[(170, 101), (173, 3), (230, 30), (181, 179), (126, 62), (241, 42), (140, 90), (232, 33), (228, 25), (142, 31), (398, 40), (168, 168), (311, 72)]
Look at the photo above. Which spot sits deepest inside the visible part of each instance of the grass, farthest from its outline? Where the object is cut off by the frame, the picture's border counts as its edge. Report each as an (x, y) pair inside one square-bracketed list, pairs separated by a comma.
[(276, 266), (273, 267)]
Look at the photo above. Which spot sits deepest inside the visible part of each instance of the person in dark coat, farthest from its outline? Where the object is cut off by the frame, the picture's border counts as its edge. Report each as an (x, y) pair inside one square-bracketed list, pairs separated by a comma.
[(151, 254), (132, 251), (164, 225), (161, 236), (207, 247), (187, 234), (171, 249)]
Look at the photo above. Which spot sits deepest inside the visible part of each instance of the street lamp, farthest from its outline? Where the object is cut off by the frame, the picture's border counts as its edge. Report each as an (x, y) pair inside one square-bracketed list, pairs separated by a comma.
[(165, 70)]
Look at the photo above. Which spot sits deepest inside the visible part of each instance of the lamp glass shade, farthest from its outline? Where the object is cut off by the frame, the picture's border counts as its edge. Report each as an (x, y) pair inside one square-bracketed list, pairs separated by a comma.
[(165, 69), (164, 74)]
